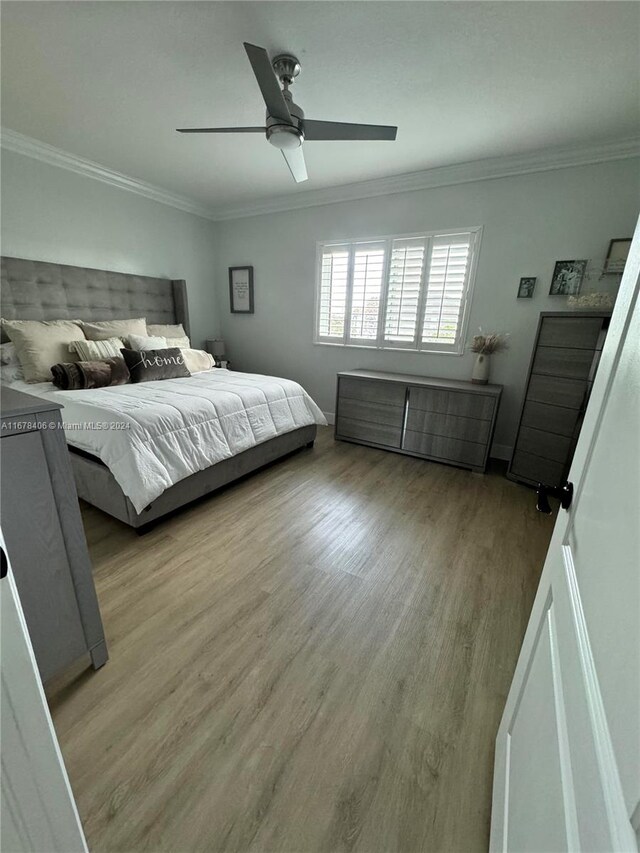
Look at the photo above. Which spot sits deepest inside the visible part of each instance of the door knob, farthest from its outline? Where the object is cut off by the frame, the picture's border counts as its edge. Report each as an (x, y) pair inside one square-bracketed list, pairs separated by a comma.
[(564, 493)]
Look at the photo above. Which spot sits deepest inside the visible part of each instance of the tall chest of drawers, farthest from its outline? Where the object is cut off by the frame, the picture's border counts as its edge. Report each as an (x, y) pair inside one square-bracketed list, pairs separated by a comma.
[(444, 420), (563, 366)]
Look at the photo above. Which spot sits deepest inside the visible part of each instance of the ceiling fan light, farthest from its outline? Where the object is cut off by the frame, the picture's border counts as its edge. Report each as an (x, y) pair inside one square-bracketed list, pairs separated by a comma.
[(285, 138)]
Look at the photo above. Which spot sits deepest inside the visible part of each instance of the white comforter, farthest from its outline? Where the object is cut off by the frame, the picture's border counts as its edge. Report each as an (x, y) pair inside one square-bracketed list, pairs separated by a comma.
[(153, 434)]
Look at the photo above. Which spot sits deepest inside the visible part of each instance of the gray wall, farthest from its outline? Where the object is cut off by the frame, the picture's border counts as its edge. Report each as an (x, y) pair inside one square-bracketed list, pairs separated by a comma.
[(530, 221), (51, 214)]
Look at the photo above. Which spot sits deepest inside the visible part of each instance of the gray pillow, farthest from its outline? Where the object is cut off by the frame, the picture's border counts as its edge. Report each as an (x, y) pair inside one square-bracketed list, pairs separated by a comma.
[(154, 364)]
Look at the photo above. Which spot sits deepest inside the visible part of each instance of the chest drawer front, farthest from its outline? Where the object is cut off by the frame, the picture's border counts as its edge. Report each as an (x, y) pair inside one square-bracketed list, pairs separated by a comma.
[(581, 333), (376, 413), (545, 444), (563, 361), (457, 403), (450, 426), (447, 449), (392, 393), (384, 434), (557, 391), (557, 419), (536, 469)]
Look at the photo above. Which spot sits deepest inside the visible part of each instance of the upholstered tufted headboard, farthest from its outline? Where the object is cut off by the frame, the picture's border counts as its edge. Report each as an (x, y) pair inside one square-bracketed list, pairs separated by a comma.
[(38, 290)]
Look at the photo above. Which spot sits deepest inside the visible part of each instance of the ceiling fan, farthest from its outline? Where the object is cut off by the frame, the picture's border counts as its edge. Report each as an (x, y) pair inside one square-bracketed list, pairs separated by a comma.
[(286, 127)]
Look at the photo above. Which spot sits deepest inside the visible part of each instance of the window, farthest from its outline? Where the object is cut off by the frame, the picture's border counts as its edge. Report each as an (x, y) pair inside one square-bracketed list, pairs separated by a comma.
[(397, 293)]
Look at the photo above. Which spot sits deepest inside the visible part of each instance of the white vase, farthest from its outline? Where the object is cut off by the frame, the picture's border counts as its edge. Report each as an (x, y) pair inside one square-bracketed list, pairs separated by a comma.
[(480, 374)]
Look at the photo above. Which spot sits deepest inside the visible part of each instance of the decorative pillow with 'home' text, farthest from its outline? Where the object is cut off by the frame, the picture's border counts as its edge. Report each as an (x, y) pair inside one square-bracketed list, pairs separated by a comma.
[(154, 364)]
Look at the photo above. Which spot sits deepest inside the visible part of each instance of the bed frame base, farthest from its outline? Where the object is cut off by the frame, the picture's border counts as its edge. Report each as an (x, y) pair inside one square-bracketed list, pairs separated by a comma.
[(97, 486)]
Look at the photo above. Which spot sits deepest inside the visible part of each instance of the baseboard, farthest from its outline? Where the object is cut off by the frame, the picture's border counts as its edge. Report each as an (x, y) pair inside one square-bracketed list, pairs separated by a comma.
[(331, 417), (501, 451)]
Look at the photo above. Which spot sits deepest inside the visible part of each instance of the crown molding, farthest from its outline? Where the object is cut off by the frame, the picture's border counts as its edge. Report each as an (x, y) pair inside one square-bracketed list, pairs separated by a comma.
[(11, 140), (461, 173)]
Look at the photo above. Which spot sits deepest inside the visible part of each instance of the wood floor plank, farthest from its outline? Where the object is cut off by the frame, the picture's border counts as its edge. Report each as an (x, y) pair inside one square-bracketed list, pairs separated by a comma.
[(314, 659)]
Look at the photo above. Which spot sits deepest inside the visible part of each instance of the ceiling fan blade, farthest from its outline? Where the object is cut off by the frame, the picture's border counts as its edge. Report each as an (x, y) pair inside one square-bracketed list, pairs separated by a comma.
[(221, 129), (296, 164), (328, 130), (268, 82)]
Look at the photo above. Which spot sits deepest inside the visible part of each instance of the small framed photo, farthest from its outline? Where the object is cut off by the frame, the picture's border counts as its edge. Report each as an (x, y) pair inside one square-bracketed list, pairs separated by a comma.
[(567, 278), (241, 290), (526, 288), (617, 256)]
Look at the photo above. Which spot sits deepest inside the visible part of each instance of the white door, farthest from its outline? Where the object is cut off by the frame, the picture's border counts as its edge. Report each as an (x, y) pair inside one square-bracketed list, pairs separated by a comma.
[(567, 770), (37, 809)]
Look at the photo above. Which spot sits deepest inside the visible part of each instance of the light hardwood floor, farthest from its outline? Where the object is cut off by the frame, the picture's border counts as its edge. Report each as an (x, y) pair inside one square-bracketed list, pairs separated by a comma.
[(315, 659)]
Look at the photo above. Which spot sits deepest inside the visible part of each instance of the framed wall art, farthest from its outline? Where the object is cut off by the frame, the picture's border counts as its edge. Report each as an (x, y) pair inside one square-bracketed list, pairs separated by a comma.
[(526, 288), (617, 256), (241, 290), (567, 278)]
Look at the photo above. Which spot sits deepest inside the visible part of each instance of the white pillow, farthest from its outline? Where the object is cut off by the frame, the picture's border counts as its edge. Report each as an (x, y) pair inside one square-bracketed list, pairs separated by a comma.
[(145, 342), (9, 354), (92, 350), (197, 360), (181, 343), (166, 330), (105, 329), (10, 373), (41, 344)]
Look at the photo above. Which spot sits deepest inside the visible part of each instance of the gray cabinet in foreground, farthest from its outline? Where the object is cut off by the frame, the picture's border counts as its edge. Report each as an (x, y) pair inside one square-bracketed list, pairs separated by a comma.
[(44, 535), (444, 420)]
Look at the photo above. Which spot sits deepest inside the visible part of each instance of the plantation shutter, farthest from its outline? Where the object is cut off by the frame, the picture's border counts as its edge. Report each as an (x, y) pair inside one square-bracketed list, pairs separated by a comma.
[(332, 298), (446, 287), (406, 268), (366, 290), (398, 292)]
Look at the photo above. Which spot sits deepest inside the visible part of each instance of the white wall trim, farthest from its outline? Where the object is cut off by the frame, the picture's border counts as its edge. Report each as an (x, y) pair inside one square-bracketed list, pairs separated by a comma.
[(331, 417), (461, 173), (20, 144)]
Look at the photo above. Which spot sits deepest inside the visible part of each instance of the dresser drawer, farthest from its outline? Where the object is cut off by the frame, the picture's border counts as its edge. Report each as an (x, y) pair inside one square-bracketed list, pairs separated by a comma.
[(371, 390), (557, 391), (449, 426), (565, 332), (458, 403), (563, 361), (546, 444), (384, 434), (557, 419), (376, 413), (536, 469), (447, 449)]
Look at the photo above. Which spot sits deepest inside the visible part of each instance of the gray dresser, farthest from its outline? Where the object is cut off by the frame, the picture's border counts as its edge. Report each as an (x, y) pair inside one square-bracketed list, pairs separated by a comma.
[(563, 366), (445, 420), (44, 535)]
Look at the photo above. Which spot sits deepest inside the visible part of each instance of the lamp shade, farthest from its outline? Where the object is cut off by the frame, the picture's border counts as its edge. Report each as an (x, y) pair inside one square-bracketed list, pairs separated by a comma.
[(216, 348)]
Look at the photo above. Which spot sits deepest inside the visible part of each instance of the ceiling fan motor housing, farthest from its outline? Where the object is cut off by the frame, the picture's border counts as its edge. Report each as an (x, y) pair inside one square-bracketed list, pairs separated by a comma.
[(282, 135)]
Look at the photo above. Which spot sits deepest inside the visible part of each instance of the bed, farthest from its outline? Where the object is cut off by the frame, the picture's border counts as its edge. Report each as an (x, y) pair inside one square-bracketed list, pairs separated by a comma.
[(168, 443)]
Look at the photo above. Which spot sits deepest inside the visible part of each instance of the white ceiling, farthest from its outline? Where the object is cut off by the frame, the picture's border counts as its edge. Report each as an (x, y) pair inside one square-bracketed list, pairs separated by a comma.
[(109, 81)]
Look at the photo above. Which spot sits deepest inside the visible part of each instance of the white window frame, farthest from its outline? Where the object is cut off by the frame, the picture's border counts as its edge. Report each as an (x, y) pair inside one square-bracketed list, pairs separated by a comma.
[(379, 343)]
